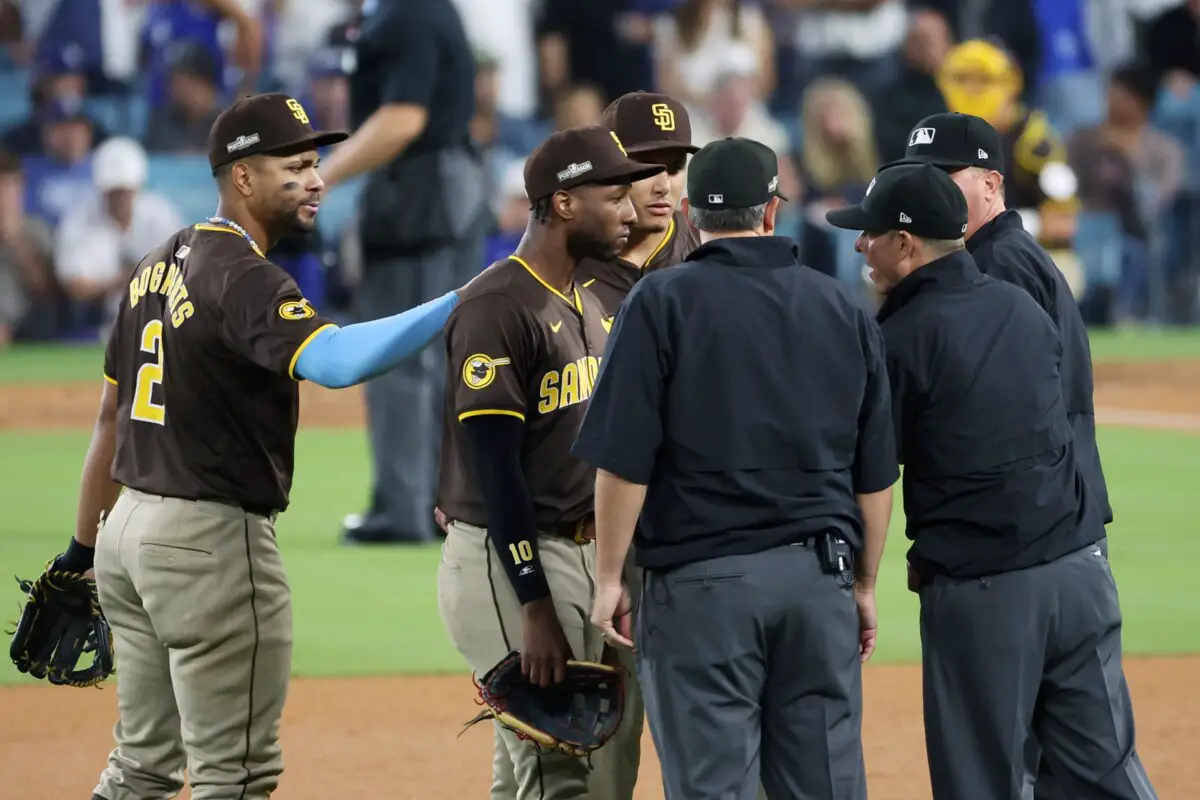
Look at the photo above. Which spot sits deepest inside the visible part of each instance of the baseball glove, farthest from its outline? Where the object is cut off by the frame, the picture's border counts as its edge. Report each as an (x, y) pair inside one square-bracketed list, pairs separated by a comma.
[(60, 622), (575, 717)]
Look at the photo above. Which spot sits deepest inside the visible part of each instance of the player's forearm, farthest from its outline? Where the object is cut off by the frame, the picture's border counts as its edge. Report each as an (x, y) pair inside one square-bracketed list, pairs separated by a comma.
[(511, 522), (341, 357), (877, 515), (618, 506), (379, 140), (97, 490)]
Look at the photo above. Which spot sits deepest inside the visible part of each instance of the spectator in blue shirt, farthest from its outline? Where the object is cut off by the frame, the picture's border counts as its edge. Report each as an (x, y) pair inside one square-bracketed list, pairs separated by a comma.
[(57, 74), (55, 180), (193, 103), (169, 22)]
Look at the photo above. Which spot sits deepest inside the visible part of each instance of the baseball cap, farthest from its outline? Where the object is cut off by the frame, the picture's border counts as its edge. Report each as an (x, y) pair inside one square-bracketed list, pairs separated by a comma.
[(650, 121), (263, 123), (733, 173), (919, 198), (954, 141), (580, 156), (64, 60), (119, 163)]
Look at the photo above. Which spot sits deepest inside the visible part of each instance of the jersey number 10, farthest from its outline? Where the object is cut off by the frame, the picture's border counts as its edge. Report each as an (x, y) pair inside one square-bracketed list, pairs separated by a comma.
[(521, 552), (149, 375)]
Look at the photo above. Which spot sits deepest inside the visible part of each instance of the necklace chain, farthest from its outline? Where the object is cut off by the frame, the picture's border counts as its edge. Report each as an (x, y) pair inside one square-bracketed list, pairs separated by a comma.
[(238, 229)]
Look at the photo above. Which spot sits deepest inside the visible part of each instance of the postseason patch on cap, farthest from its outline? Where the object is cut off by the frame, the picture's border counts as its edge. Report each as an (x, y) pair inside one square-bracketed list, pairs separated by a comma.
[(242, 142), (574, 171)]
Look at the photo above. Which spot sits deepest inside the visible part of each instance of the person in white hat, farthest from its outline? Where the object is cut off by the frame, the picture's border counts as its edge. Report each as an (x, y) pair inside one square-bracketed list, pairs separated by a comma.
[(103, 237)]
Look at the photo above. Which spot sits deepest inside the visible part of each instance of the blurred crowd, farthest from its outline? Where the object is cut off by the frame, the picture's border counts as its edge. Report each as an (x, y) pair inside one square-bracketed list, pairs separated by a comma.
[(105, 107)]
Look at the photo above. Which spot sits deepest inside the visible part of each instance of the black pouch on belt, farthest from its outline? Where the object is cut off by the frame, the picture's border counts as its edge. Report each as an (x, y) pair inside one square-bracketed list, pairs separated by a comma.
[(837, 557)]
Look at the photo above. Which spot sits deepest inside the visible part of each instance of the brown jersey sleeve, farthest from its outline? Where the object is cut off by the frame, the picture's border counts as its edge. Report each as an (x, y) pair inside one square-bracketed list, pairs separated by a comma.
[(267, 319), (112, 365), (491, 352)]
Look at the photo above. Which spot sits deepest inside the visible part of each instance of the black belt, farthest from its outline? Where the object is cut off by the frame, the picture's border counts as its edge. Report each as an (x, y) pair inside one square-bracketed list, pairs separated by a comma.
[(260, 511), (581, 531)]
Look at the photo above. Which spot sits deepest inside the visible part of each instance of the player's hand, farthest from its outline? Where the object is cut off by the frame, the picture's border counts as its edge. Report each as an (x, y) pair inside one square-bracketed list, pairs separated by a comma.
[(546, 652), (612, 613), (868, 621), (439, 517)]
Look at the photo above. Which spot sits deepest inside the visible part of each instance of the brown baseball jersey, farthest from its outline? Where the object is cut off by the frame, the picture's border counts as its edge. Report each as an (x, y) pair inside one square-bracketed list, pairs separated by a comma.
[(518, 347), (203, 354), (612, 280)]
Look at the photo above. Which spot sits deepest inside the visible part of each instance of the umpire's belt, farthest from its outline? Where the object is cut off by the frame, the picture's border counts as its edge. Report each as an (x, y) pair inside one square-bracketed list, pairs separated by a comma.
[(581, 531)]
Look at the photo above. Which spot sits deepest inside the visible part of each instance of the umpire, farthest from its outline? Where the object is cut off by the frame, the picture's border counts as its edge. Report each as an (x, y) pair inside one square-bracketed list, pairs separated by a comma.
[(763, 509), (1020, 621), (970, 151), (422, 225)]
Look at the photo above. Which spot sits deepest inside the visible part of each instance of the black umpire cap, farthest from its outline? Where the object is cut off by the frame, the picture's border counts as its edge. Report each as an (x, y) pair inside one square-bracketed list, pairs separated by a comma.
[(733, 173), (919, 198), (954, 141), (264, 124), (581, 156)]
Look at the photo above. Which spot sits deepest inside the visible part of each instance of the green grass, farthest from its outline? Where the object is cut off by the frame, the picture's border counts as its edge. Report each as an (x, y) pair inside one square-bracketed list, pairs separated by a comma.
[(374, 611), (54, 363)]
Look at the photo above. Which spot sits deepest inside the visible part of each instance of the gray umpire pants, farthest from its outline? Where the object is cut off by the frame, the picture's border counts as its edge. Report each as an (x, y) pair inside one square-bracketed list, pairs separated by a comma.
[(749, 668), (404, 406), (1029, 655)]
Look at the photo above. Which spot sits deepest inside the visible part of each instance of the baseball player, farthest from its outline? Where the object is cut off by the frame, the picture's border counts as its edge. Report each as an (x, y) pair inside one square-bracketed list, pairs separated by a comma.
[(1020, 619), (523, 349), (656, 129), (197, 425)]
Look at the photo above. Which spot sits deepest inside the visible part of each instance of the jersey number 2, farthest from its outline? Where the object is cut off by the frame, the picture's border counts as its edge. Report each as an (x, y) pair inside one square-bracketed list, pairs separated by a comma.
[(150, 375)]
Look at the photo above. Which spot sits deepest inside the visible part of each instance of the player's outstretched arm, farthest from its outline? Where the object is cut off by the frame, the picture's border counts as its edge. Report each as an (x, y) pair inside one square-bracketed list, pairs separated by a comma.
[(340, 357)]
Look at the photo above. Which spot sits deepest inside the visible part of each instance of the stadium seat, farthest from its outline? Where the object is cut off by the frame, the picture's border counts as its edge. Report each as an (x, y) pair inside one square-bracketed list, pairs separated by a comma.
[(1099, 246), (14, 97), (122, 116), (338, 207), (187, 181)]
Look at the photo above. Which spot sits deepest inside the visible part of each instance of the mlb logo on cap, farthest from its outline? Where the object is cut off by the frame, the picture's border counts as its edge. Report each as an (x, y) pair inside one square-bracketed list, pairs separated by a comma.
[(921, 136)]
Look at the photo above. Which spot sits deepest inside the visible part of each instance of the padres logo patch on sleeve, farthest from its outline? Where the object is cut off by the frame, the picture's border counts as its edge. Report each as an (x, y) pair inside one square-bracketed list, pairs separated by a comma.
[(296, 309), (480, 370)]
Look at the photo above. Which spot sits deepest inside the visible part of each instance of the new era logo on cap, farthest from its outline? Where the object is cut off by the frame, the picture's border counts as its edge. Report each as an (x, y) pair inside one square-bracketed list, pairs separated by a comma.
[(983, 153), (905, 218), (921, 136)]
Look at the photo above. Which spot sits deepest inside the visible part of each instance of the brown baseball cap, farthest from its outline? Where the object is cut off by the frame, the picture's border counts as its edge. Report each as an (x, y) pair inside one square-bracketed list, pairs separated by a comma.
[(580, 156), (264, 123), (649, 121)]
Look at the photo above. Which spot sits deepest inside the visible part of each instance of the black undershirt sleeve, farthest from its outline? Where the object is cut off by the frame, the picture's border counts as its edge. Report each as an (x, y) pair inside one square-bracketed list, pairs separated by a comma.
[(512, 527)]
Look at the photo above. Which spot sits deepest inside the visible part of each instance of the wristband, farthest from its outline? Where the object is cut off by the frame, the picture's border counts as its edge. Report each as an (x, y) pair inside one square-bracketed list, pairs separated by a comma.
[(78, 557)]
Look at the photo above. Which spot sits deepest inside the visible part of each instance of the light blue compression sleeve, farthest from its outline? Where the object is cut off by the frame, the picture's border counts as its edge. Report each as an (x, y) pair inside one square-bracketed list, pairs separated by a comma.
[(341, 357)]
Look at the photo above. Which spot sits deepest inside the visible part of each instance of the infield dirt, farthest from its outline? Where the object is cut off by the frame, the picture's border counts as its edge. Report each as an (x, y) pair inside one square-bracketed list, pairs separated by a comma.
[(396, 737)]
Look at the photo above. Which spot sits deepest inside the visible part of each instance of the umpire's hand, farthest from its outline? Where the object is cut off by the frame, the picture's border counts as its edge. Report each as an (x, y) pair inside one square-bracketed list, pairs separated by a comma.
[(546, 651), (868, 621), (611, 613)]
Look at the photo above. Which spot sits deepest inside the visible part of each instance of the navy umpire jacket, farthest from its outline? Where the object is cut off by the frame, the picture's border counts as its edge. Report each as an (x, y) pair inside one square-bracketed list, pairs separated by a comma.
[(991, 482), (1003, 249), (750, 395)]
